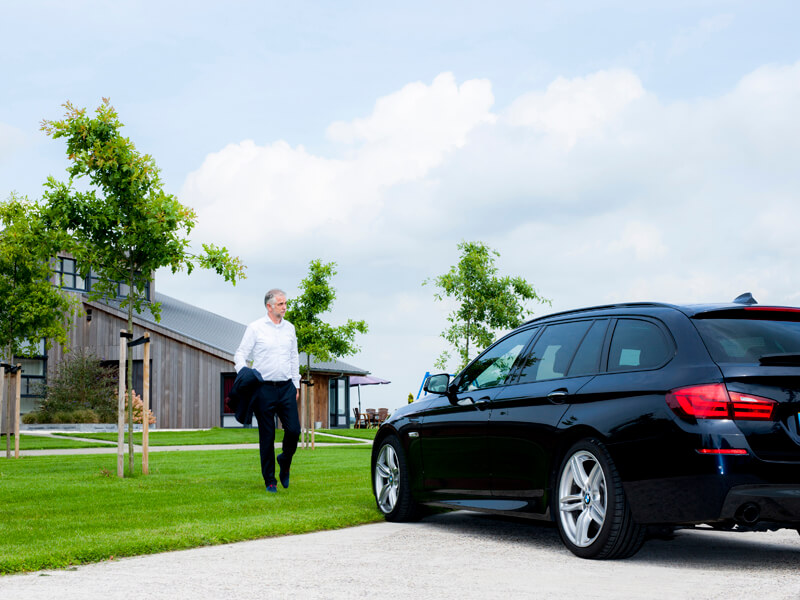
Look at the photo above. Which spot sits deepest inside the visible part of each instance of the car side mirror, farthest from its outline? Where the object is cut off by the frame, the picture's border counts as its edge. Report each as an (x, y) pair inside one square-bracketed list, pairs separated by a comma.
[(437, 384)]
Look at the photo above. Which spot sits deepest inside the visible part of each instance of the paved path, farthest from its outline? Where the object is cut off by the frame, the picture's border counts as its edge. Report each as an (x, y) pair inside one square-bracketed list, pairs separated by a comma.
[(112, 446), (456, 555)]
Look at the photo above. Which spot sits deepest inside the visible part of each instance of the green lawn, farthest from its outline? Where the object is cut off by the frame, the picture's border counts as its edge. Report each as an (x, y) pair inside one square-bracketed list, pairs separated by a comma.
[(215, 435), (40, 442), (64, 510), (362, 434)]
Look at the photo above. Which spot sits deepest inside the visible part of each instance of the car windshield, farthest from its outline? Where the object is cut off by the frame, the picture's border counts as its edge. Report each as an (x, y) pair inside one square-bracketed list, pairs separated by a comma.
[(747, 340)]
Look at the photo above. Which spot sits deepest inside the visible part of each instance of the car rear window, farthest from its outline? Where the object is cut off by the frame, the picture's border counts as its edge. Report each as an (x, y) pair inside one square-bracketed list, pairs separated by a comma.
[(746, 340)]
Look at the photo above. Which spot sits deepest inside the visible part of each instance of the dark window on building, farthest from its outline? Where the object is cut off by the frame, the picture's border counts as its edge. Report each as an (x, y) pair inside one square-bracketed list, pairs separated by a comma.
[(121, 288), (637, 344), (34, 376), (67, 276), (338, 402)]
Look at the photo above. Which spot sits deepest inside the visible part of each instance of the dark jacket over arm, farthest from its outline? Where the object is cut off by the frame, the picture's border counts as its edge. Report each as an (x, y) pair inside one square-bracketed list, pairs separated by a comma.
[(240, 398)]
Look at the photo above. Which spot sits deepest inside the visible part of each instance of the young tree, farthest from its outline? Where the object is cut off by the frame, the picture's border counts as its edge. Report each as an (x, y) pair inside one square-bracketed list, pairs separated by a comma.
[(125, 225), (486, 303), (31, 308), (314, 336)]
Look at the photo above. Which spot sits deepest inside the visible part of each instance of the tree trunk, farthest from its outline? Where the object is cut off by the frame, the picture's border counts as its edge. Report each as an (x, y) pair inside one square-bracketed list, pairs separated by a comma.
[(466, 347), (309, 398)]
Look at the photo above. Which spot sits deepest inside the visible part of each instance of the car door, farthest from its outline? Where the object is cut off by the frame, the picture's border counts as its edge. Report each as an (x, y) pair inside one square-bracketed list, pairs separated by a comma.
[(453, 432), (525, 414)]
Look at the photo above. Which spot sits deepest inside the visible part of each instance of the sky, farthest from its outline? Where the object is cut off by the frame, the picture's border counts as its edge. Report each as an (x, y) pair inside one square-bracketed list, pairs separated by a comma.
[(609, 151)]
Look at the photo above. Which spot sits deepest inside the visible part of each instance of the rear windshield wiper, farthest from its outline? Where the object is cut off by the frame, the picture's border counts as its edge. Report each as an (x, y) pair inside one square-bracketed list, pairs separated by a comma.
[(780, 360)]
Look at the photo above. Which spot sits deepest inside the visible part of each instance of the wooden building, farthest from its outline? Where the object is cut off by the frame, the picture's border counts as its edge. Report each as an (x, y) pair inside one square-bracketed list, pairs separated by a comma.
[(191, 360)]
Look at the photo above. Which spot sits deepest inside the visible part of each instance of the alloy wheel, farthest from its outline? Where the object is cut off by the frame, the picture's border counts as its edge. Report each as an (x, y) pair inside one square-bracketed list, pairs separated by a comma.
[(582, 498), (387, 478)]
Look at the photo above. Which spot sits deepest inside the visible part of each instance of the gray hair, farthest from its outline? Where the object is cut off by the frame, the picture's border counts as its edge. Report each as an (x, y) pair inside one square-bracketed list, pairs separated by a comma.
[(269, 297)]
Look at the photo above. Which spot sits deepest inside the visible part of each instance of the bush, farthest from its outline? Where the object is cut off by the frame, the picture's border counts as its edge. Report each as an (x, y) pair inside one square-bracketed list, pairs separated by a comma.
[(31, 418), (138, 407), (81, 391), (61, 417)]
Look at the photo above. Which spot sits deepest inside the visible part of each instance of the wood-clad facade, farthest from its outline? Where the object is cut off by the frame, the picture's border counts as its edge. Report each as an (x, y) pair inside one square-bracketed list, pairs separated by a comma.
[(191, 363), (191, 358), (184, 373)]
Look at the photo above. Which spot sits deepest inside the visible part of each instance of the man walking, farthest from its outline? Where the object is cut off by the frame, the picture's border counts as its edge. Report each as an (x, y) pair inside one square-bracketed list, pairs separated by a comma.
[(271, 343)]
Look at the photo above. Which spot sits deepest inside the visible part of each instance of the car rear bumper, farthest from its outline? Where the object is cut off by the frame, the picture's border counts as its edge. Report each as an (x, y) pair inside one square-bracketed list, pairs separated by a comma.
[(708, 499), (750, 504)]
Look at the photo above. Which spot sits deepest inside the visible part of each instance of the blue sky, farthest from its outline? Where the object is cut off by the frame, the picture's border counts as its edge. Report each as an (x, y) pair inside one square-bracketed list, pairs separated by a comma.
[(610, 151)]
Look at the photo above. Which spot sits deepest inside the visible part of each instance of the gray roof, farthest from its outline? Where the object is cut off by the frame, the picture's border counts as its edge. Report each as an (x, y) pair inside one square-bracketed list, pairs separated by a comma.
[(219, 332)]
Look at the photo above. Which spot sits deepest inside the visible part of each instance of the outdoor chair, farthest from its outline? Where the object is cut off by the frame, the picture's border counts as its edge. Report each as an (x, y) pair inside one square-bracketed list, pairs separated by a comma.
[(372, 417), (360, 421), (383, 414)]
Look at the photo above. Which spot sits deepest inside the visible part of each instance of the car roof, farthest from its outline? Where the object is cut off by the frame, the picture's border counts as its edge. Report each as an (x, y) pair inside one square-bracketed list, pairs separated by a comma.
[(690, 310)]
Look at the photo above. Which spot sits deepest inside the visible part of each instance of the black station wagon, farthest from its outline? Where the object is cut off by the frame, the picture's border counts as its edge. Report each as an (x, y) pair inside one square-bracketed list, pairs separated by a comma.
[(611, 421)]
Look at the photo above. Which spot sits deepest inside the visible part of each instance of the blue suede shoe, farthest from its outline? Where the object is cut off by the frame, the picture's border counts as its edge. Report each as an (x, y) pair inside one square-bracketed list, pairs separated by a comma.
[(283, 475), (272, 489)]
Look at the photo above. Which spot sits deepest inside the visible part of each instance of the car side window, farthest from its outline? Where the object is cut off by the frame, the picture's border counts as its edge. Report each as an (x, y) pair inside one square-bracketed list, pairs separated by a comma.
[(492, 367), (587, 358), (553, 351), (637, 344)]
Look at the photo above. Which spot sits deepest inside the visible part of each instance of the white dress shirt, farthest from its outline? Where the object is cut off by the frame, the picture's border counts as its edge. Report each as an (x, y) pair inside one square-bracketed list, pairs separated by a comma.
[(273, 349)]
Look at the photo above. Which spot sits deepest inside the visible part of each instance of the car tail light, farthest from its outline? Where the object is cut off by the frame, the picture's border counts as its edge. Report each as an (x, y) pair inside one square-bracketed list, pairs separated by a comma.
[(714, 401)]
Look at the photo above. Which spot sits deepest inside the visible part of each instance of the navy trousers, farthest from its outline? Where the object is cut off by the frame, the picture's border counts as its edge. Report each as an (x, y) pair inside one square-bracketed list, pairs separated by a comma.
[(276, 398)]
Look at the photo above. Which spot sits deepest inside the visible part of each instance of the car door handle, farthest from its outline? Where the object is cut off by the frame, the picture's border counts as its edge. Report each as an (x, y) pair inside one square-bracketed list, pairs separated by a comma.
[(483, 403), (558, 396)]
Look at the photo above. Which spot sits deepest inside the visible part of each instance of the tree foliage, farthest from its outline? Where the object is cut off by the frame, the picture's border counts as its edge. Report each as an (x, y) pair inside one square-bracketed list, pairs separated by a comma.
[(31, 308), (124, 225), (485, 302), (315, 337)]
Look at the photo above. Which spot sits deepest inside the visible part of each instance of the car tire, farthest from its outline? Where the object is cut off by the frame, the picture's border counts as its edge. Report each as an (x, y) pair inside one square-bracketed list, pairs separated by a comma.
[(390, 482), (589, 505)]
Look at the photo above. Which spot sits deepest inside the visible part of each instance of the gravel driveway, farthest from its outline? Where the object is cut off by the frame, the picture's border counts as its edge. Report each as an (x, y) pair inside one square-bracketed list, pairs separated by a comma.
[(453, 555)]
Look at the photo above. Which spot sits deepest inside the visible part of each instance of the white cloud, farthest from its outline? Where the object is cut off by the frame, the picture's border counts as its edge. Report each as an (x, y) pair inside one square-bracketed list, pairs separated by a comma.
[(571, 108), (642, 240), (592, 188), (252, 193)]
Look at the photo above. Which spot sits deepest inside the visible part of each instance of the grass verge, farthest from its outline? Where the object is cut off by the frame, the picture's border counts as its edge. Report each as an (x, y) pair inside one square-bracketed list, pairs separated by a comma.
[(41, 442), (65, 510), (215, 435), (361, 434)]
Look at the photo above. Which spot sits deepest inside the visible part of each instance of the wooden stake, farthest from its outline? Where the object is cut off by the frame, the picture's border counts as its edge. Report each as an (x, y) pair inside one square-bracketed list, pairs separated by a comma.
[(16, 411), (123, 349), (309, 401), (313, 413), (303, 415), (146, 407), (2, 398)]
